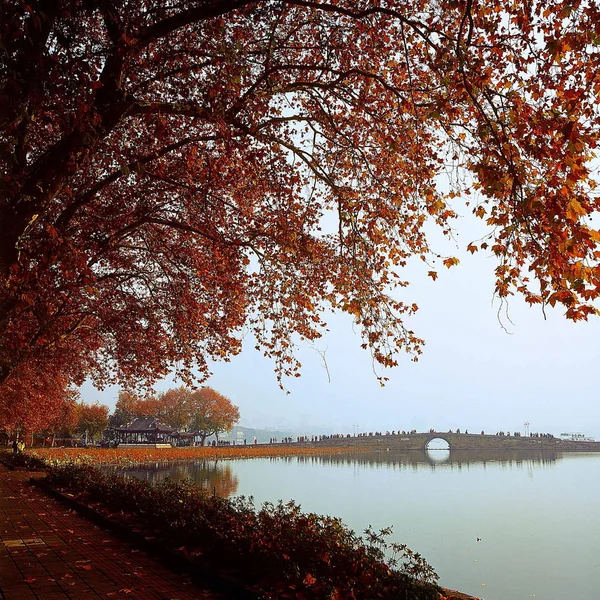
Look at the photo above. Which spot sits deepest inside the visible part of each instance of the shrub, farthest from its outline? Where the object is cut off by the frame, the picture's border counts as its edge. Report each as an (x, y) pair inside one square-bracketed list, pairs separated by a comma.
[(21, 460)]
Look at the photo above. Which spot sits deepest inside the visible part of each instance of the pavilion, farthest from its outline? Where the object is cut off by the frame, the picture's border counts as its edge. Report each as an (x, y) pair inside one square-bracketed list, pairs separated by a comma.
[(147, 431)]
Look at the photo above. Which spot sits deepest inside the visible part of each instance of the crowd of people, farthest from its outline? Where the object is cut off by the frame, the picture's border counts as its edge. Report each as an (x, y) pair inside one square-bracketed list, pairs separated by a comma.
[(333, 436), (19, 445)]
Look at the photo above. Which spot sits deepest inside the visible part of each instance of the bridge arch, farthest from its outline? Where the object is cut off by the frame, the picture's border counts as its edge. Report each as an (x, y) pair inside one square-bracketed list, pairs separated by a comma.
[(436, 436)]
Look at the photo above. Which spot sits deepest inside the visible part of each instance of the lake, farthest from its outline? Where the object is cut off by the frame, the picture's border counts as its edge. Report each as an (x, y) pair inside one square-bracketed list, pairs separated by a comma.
[(498, 526)]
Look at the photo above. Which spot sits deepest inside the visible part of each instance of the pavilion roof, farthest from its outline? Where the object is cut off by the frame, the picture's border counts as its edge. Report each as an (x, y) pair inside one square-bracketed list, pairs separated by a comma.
[(147, 424)]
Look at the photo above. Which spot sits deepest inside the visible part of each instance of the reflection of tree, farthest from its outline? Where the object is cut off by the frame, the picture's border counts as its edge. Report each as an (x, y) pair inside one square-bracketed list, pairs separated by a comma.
[(217, 477), (210, 475)]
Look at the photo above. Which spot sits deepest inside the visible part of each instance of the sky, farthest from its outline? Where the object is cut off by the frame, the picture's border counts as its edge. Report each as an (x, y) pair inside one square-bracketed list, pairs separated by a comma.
[(478, 371)]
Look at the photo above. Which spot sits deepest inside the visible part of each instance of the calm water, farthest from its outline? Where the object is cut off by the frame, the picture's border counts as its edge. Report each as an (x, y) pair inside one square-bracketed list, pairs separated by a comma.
[(536, 516)]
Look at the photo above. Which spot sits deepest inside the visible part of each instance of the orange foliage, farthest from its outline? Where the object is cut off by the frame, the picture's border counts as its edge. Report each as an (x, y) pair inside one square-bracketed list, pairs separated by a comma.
[(92, 418), (203, 411), (36, 402), (168, 172), (128, 406), (211, 413)]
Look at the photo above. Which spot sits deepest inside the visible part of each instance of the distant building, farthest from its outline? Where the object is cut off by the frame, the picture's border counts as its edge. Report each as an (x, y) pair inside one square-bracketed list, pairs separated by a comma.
[(576, 437)]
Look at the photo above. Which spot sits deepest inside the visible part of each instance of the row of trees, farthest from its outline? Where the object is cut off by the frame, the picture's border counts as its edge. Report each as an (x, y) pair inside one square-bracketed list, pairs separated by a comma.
[(203, 411), (69, 418)]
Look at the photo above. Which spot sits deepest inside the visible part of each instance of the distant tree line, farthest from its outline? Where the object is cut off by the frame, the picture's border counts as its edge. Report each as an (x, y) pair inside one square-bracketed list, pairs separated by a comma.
[(203, 411), (71, 419)]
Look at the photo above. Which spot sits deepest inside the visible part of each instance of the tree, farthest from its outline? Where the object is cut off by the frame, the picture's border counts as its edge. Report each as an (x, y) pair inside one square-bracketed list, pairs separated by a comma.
[(36, 403), (171, 407), (204, 410), (211, 413), (174, 172), (65, 419), (92, 419), (127, 408)]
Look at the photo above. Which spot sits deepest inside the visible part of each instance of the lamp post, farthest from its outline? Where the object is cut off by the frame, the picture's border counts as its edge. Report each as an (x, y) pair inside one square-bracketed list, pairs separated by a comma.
[(526, 425), (355, 426)]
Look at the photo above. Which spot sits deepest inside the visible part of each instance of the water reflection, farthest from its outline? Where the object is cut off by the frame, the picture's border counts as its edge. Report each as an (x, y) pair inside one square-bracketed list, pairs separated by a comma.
[(433, 459), (437, 456), (214, 476), (218, 476)]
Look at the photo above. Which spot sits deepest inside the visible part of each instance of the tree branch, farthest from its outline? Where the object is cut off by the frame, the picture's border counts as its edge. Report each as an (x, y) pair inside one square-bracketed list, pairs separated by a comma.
[(208, 9), (65, 217)]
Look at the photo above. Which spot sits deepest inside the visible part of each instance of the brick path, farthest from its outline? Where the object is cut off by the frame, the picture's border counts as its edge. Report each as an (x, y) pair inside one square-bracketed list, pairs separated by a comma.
[(48, 552)]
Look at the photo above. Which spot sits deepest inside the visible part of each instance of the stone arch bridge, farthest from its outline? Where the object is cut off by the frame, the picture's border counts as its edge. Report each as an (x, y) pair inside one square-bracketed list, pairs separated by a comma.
[(459, 441)]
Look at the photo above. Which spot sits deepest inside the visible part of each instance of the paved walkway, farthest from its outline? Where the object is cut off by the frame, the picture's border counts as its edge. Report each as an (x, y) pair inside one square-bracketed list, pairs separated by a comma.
[(48, 552)]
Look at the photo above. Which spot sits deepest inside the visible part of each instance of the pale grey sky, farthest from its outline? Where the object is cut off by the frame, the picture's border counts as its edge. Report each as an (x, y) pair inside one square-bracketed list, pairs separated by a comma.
[(472, 374)]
